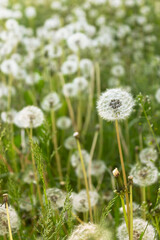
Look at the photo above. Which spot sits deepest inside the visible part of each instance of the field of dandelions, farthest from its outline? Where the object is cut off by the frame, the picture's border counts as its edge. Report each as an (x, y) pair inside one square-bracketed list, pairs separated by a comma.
[(79, 120)]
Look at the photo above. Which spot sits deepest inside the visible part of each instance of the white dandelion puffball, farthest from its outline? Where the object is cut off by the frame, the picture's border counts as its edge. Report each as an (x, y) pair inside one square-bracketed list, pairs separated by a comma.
[(90, 231), (70, 90), (139, 226), (69, 67), (80, 200), (75, 159), (51, 101), (56, 197), (64, 123), (80, 83), (8, 117), (98, 168), (14, 220), (144, 175), (136, 208), (29, 117), (30, 12), (117, 71), (70, 143), (78, 41), (158, 95), (148, 155), (115, 104)]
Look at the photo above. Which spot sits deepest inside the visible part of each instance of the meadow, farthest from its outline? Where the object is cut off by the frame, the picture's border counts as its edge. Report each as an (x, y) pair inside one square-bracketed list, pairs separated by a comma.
[(79, 120)]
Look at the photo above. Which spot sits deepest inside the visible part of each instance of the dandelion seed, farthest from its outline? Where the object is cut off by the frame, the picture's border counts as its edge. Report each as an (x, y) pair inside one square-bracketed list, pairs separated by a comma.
[(139, 226), (144, 175), (115, 104)]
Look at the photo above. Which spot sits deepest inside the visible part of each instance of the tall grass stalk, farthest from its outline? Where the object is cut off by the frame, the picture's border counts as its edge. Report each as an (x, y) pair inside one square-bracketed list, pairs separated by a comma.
[(91, 157), (5, 199), (35, 169), (69, 105), (98, 85), (55, 143), (85, 178), (123, 171)]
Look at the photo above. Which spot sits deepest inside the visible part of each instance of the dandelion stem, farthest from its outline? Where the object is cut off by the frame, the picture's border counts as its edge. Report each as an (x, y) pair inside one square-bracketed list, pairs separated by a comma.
[(35, 169), (69, 105), (131, 206), (124, 210), (123, 171), (55, 143), (85, 178), (98, 81), (143, 192), (90, 104), (91, 157), (151, 129), (5, 199), (9, 224), (77, 218)]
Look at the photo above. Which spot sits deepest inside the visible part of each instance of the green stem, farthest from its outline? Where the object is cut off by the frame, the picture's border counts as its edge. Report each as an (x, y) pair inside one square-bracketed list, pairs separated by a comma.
[(124, 211), (131, 211), (85, 179), (55, 143)]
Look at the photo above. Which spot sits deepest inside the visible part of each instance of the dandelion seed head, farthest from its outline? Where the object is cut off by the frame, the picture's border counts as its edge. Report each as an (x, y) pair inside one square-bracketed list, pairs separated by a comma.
[(158, 95), (139, 226), (30, 12), (70, 143), (9, 117), (75, 159), (64, 122), (14, 220), (144, 175), (29, 176), (70, 90), (148, 154), (115, 104), (25, 203), (90, 231), (86, 67), (56, 197), (80, 83), (98, 168), (80, 200), (51, 101), (69, 67), (29, 117), (78, 41), (117, 71), (136, 208)]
